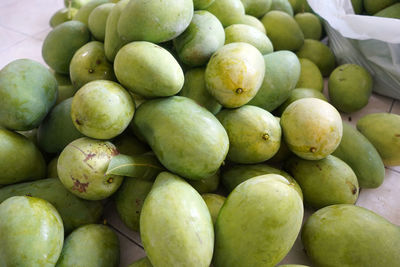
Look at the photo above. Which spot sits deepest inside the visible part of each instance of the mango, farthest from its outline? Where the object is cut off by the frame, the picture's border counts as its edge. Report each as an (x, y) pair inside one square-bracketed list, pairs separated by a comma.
[(143, 262), (197, 150), (312, 128), (52, 168), (89, 63), (62, 15), (258, 223), (234, 74), (148, 70), (310, 25), (129, 200), (254, 134), (128, 144), (293, 265), (283, 153), (206, 185), (250, 35), (82, 165), (383, 131), (373, 6), (62, 42), (310, 76), (253, 21), (202, 4), (74, 211), (350, 87), (361, 156), (84, 11), (97, 20), (392, 11), (27, 92), (92, 245), (102, 109), (320, 54), (282, 5), (200, 40), (300, 93), (195, 88), (31, 232), (154, 21), (283, 31), (214, 203), (324, 182), (282, 71), (357, 6), (176, 230), (257, 8), (58, 130), (333, 233), (227, 11), (75, 3), (20, 160), (301, 6)]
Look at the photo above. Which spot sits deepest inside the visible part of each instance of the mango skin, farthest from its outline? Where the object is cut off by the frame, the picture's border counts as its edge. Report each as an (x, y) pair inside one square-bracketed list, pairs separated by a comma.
[(282, 5), (154, 21), (361, 156), (75, 3), (82, 165), (32, 232), (258, 223), (65, 88), (52, 168), (28, 90), (293, 265), (171, 234), (310, 25), (282, 71), (154, 120), (283, 31), (392, 11), (383, 131), (62, 15), (97, 20), (219, 9), (372, 7), (89, 63), (84, 11), (357, 6), (20, 160), (310, 76), (143, 262), (148, 70), (206, 185), (324, 182), (234, 74), (257, 8), (254, 134), (202, 4), (61, 44), (129, 200), (92, 245), (214, 203), (74, 211), (58, 130), (128, 144), (300, 93), (248, 34), (312, 128), (253, 21), (200, 40), (332, 237)]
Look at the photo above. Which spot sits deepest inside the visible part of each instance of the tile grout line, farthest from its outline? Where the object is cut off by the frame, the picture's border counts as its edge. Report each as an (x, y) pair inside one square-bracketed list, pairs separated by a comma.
[(393, 170), (121, 233)]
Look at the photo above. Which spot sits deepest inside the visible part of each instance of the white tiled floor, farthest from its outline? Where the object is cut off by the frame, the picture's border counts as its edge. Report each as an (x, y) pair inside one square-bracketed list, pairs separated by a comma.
[(23, 27)]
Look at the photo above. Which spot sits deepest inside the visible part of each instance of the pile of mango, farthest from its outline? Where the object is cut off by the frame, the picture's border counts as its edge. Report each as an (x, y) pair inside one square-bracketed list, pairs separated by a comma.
[(205, 122)]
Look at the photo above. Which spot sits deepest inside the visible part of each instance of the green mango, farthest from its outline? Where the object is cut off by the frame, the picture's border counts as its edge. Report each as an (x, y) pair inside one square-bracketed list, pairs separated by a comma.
[(237, 174), (62, 42), (283, 31), (89, 63), (248, 34), (300, 93), (74, 211), (128, 144), (283, 153), (65, 88), (357, 6), (57, 130), (76, 3), (143, 262), (206, 185), (253, 21), (177, 150), (227, 11), (214, 203), (374, 6), (31, 232), (195, 88), (392, 11), (310, 76), (282, 71), (85, 10), (52, 168), (293, 265), (202, 4), (320, 54), (234, 74), (324, 182), (347, 235), (254, 134), (176, 230), (310, 25), (27, 92), (129, 200), (257, 8), (148, 70), (20, 160), (350, 87), (301, 6), (112, 40), (383, 131), (154, 21), (102, 109), (282, 5), (200, 40), (97, 20), (312, 128), (258, 223), (82, 165), (31, 135), (92, 245), (62, 15)]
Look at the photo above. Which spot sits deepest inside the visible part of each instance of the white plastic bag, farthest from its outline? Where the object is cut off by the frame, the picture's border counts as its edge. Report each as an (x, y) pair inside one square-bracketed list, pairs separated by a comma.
[(372, 42)]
